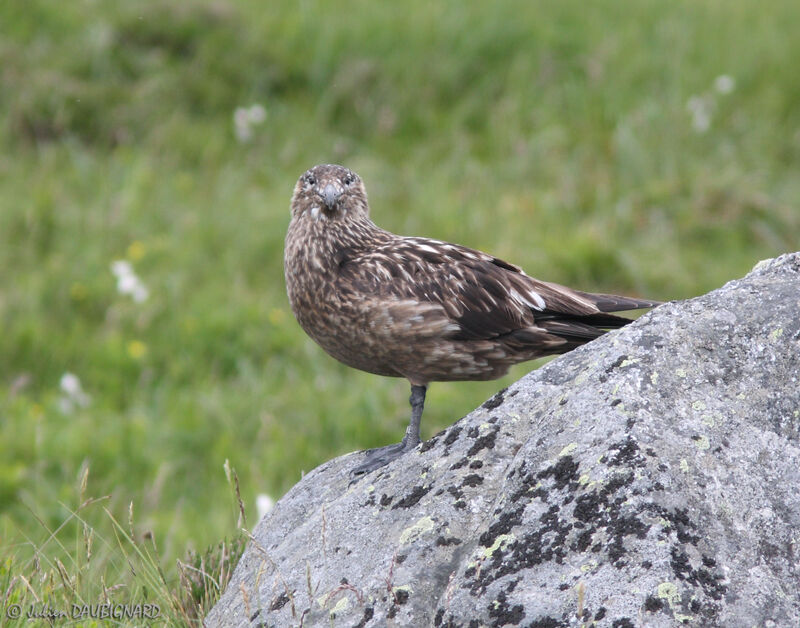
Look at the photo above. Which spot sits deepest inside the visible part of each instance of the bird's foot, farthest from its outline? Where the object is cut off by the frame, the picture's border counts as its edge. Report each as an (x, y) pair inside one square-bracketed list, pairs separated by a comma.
[(377, 458)]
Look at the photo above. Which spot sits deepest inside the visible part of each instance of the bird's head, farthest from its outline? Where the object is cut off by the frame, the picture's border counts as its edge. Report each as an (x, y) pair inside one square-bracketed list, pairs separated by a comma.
[(329, 192)]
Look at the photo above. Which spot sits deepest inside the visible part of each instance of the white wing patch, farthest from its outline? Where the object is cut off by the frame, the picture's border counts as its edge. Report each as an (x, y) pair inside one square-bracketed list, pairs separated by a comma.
[(426, 248), (531, 299)]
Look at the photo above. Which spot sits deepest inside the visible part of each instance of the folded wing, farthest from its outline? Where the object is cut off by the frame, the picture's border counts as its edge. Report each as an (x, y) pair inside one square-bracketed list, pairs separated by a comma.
[(482, 297)]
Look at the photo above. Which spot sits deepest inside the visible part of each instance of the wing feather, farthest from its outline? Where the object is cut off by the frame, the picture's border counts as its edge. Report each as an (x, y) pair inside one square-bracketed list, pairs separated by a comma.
[(485, 297)]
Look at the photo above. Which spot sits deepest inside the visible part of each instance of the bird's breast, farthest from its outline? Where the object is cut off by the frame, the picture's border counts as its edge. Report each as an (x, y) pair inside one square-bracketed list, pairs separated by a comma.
[(328, 311)]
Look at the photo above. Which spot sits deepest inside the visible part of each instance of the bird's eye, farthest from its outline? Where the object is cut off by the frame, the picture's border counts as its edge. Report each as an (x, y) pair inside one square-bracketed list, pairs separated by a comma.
[(309, 179), (349, 178)]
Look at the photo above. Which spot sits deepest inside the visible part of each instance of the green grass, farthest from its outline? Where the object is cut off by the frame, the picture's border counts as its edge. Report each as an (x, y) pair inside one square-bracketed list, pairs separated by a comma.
[(556, 135)]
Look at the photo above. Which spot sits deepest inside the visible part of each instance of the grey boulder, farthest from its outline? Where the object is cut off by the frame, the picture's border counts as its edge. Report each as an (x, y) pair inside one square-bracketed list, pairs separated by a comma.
[(649, 478)]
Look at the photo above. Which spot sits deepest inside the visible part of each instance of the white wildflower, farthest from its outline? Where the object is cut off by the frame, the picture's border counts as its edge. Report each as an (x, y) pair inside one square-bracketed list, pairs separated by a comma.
[(244, 118), (264, 504), (257, 114), (700, 108), (701, 121), (128, 282), (724, 84), (72, 393), (241, 122), (121, 267)]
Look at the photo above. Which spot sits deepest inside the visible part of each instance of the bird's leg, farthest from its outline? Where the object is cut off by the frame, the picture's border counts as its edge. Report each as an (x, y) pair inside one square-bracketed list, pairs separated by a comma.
[(417, 401), (377, 458)]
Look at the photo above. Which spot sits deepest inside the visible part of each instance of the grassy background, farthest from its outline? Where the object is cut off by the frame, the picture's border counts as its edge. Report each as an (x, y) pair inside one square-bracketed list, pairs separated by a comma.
[(557, 135)]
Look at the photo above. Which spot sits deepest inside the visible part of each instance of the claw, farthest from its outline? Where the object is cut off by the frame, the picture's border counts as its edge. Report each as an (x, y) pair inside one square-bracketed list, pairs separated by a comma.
[(377, 458)]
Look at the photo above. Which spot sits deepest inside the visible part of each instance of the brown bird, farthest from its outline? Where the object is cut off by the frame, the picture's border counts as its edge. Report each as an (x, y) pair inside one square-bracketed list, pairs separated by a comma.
[(419, 308)]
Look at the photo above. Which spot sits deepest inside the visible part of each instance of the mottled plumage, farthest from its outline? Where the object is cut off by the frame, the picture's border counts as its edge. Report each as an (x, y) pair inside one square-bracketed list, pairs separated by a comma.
[(419, 308)]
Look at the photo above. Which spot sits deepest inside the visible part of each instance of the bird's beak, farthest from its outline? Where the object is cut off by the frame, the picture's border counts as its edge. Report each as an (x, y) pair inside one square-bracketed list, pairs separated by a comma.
[(330, 195)]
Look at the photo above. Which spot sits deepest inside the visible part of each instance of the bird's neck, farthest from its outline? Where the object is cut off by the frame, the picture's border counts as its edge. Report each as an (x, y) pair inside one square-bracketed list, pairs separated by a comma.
[(319, 245), (325, 239)]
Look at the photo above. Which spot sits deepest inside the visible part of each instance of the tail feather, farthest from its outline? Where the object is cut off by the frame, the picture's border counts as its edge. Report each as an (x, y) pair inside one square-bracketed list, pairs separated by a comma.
[(572, 330), (577, 329), (595, 321), (614, 303)]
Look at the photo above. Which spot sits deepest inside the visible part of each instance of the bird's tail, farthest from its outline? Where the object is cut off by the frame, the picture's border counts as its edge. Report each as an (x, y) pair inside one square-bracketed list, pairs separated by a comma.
[(614, 303), (578, 329)]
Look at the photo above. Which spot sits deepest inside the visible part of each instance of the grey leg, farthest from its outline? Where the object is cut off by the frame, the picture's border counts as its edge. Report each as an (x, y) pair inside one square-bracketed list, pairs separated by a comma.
[(417, 401), (377, 458)]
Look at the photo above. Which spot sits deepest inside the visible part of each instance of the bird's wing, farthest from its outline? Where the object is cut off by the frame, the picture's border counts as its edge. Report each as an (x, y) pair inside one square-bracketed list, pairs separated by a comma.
[(482, 296)]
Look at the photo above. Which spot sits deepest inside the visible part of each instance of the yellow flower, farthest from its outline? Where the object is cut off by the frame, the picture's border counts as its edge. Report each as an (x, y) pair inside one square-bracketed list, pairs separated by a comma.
[(137, 349), (78, 291), (136, 251), (276, 316)]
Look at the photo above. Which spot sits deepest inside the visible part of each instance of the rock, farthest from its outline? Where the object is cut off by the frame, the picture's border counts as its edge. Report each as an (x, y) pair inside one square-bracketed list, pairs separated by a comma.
[(650, 478)]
